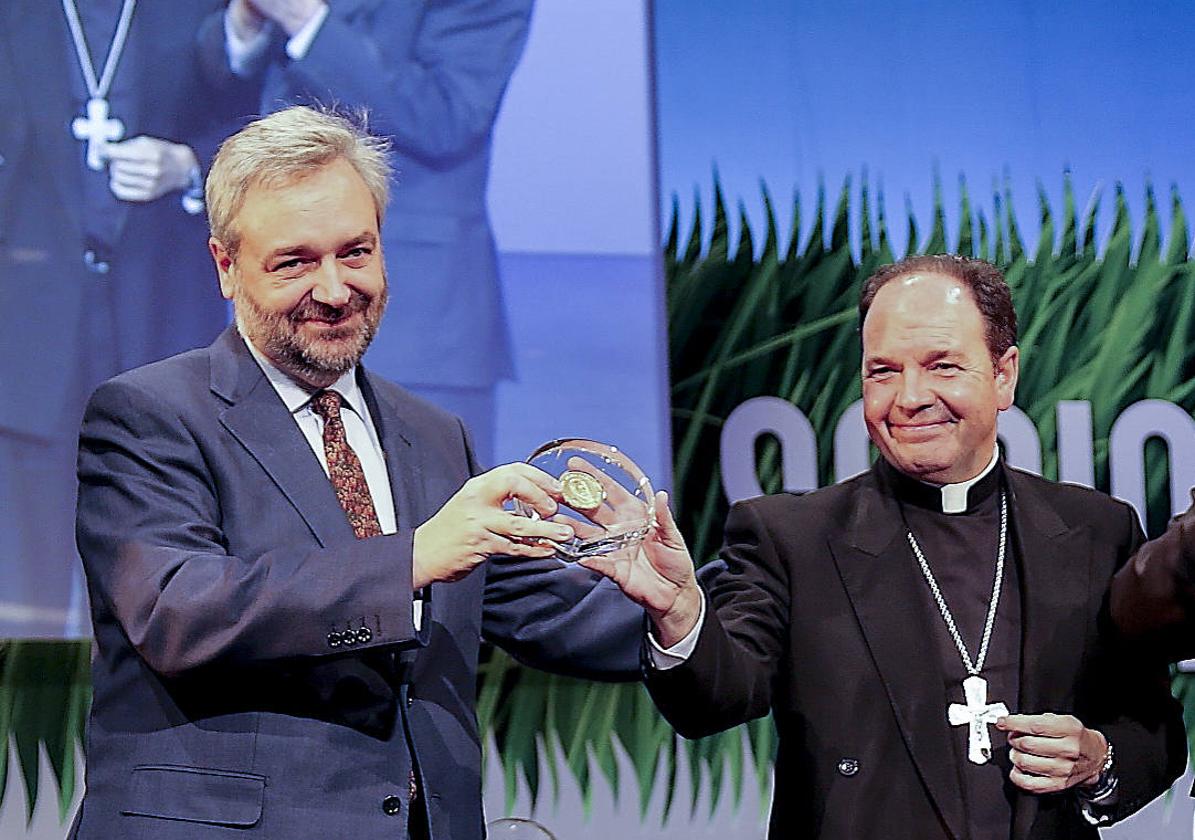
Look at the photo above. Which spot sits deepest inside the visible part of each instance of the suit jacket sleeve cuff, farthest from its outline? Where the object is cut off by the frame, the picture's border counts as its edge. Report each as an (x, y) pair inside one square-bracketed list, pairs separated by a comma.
[(386, 622)]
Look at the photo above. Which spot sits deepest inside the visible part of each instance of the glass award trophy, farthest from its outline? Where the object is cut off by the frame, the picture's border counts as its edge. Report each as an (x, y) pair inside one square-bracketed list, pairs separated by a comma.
[(606, 498)]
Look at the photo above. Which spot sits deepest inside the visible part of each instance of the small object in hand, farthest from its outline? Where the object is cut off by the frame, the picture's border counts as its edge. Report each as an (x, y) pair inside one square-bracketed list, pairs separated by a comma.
[(581, 490), (605, 498)]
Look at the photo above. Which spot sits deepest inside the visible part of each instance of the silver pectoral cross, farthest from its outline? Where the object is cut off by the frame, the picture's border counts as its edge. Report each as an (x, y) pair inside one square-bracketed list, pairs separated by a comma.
[(978, 715), (98, 130)]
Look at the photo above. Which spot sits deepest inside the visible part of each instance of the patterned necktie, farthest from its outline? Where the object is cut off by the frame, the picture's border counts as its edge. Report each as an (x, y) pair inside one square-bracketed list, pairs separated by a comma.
[(344, 468)]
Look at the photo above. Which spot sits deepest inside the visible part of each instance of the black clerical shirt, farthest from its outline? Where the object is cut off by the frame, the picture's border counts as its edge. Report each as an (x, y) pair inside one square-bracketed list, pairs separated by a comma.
[(960, 549)]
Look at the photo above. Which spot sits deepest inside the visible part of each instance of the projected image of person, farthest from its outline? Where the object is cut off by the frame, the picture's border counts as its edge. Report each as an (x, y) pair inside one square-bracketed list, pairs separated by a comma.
[(106, 124), (432, 76), (932, 635)]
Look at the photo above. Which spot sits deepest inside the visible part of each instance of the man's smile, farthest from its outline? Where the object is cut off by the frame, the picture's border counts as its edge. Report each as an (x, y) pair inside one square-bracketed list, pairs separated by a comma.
[(915, 432)]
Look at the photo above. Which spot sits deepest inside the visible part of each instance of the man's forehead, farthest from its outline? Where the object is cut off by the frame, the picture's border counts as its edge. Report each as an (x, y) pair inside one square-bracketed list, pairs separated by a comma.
[(923, 308), (274, 185), (335, 174), (927, 284), (331, 197), (920, 340), (920, 296)]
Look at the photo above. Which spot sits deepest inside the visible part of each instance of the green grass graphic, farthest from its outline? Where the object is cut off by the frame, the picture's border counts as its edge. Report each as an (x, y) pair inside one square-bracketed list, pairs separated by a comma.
[(1112, 326)]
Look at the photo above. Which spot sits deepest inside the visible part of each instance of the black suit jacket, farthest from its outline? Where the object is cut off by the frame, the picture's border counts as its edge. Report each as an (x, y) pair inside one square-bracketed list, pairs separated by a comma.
[(818, 617), (1153, 597)]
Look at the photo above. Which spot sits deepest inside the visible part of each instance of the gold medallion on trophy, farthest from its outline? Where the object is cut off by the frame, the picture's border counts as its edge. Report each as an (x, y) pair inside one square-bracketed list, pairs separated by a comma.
[(581, 490), (605, 494)]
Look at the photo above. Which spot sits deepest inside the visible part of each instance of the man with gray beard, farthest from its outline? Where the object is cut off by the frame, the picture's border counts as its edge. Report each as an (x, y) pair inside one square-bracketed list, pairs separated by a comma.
[(292, 561)]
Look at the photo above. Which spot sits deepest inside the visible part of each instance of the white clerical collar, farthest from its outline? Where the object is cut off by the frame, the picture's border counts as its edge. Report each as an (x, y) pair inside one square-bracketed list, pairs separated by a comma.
[(296, 397), (954, 496)]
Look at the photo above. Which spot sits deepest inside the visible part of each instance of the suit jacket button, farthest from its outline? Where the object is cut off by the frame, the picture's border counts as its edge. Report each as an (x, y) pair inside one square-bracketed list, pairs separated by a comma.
[(848, 766), (391, 805), (333, 639), (364, 635)]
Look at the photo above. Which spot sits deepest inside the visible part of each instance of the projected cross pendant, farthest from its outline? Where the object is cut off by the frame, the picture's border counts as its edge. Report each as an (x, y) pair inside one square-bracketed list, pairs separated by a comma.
[(98, 130), (978, 715)]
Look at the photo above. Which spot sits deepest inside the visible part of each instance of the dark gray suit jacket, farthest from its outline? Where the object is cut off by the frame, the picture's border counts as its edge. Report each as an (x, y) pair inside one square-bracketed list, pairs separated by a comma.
[(818, 618), (258, 671)]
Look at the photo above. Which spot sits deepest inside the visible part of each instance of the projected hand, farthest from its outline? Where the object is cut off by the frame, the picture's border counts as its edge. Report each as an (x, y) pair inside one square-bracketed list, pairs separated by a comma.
[(246, 21), (659, 577), (473, 525), (291, 15), (145, 168)]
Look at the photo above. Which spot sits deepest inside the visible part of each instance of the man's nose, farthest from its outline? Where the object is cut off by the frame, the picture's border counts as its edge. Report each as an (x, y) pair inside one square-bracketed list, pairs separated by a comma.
[(914, 393), (330, 287)]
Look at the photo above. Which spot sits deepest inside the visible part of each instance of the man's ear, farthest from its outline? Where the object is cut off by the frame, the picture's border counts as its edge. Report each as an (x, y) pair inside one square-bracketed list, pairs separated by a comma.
[(1007, 370), (223, 263)]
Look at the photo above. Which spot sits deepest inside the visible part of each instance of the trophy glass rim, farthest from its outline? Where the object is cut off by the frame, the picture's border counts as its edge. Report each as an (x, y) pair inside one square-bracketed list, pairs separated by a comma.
[(615, 534), (642, 484)]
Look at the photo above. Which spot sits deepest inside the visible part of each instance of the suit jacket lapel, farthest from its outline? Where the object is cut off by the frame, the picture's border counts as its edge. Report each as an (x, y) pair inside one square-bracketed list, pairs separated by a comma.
[(405, 471), (1055, 578), (259, 419), (406, 484), (884, 586)]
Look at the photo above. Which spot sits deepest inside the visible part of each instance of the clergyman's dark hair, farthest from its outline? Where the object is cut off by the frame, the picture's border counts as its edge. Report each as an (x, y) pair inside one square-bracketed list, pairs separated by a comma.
[(987, 285)]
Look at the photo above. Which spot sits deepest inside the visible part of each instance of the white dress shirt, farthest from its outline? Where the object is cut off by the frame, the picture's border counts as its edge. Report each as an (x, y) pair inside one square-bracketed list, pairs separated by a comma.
[(358, 430)]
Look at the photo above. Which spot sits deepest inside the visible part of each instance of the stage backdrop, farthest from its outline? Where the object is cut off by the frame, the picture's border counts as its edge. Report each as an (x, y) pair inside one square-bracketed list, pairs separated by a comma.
[(800, 145)]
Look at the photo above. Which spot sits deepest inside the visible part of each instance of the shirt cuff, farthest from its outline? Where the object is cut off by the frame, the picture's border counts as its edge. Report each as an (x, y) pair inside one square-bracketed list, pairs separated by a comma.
[(300, 42), (241, 52), (417, 610), (665, 658)]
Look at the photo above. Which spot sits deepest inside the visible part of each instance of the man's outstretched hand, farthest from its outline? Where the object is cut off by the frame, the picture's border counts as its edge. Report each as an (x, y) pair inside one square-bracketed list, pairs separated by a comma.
[(659, 576), (473, 524)]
